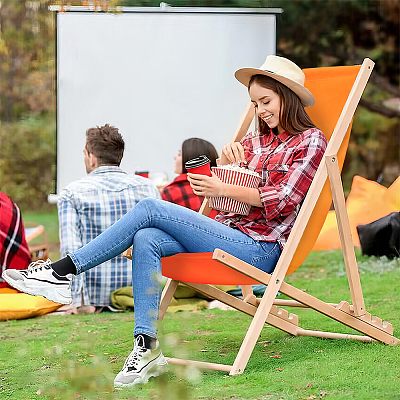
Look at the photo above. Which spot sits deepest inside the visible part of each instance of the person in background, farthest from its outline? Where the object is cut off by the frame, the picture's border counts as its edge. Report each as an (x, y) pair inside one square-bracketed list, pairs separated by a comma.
[(90, 205), (14, 251), (179, 190)]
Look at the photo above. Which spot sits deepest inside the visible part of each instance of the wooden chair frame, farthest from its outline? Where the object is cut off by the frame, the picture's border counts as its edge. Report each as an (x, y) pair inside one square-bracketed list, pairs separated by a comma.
[(38, 249), (265, 310)]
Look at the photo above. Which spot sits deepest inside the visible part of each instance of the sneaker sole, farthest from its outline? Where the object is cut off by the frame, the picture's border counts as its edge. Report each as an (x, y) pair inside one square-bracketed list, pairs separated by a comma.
[(60, 299), (157, 370)]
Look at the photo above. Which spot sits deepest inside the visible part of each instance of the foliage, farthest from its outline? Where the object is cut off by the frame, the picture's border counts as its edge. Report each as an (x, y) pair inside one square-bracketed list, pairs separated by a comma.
[(77, 356), (374, 149), (27, 106), (27, 49), (27, 155), (342, 32)]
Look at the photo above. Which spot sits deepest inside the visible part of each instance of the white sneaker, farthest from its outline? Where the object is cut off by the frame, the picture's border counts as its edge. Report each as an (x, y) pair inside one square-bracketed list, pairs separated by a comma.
[(41, 280), (141, 365)]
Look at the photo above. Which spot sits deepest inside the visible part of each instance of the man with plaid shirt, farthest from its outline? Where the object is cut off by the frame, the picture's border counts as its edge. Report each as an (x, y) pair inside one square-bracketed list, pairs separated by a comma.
[(89, 206)]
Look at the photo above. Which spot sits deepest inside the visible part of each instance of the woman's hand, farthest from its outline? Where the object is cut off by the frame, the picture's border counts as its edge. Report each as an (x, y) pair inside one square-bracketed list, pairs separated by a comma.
[(234, 152), (208, 186)]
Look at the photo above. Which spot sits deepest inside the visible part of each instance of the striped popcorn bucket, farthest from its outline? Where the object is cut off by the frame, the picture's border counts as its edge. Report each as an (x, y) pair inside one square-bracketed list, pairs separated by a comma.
[(238, 178)]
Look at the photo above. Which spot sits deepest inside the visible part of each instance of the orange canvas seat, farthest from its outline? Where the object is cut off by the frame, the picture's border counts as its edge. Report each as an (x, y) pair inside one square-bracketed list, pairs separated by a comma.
[(183, 267)]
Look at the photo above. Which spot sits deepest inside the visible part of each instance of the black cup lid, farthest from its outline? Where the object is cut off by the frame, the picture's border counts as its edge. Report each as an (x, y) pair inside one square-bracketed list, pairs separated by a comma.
[(197, 162)]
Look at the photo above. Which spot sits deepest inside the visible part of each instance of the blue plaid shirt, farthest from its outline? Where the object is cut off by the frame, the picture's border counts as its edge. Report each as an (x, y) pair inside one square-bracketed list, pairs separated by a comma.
[(86, 208)]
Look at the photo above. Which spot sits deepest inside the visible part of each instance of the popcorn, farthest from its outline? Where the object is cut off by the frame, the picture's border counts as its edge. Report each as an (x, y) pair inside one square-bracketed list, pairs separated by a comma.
[(234, 175), (237, 167)]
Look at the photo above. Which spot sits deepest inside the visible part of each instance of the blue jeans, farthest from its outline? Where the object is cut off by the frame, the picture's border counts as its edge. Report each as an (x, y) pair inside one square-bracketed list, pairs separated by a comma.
[(155, 229)]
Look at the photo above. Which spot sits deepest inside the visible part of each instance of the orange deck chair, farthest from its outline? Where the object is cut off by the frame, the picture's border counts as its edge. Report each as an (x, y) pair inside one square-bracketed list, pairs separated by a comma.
[(337, 91)]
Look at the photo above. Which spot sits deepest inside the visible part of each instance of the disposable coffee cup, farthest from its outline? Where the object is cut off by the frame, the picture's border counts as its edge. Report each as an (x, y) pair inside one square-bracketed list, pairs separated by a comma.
[(199, 165)]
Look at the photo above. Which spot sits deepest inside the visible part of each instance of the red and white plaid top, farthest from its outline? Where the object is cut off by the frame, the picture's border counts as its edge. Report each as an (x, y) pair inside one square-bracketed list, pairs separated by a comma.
[(287, 164), (14, 251), (180, 192)]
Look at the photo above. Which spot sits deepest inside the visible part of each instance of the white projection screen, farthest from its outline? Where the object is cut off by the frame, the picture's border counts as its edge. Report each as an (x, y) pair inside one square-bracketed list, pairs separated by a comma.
[(161, 75)]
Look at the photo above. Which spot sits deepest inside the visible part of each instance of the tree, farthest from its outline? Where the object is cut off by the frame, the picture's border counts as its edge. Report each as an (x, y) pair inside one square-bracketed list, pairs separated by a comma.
[(26, 59), (344, 32)]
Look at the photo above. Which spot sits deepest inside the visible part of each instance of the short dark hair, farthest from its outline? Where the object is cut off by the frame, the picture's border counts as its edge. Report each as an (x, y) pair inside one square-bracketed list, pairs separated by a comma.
[(106, 143), (293, 117), (194, 147)]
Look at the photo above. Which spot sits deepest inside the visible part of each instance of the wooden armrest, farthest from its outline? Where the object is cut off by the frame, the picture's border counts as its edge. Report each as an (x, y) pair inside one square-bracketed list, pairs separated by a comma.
[(128, 253), (37, 231)]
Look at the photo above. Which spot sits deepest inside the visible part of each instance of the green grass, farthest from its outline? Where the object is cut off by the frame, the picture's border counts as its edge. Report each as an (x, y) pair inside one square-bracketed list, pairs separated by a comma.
[(77, 357)]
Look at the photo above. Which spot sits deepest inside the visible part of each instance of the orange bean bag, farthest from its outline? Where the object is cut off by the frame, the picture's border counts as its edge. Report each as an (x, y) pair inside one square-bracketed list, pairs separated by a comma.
[(367, 202), (16, 305)]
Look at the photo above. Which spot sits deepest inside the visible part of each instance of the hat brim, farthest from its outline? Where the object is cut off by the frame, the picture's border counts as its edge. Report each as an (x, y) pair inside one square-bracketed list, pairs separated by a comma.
[(244, 75)]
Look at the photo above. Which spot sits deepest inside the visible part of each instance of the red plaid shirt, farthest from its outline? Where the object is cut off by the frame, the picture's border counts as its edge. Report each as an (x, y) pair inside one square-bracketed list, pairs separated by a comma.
[(180, 192), (287, 165), (14, 251)]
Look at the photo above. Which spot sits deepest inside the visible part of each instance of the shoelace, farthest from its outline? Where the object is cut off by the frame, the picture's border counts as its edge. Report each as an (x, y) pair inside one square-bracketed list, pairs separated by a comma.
[(39, 264), (134, 358)]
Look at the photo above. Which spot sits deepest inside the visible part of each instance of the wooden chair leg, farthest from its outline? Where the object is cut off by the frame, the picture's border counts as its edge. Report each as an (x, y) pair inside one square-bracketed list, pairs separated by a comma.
[(248, 295), (345, 234)]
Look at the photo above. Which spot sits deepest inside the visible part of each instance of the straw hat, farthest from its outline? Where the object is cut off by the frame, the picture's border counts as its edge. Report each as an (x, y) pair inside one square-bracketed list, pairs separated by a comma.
[(282, 70)]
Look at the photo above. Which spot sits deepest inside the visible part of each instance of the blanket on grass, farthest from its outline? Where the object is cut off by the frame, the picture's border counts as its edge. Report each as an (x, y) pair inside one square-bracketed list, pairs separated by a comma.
[(184, 298)]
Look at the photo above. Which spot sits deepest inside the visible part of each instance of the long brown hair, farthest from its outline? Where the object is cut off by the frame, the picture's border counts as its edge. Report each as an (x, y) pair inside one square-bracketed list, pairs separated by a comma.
[(293, 118), (194, 147)]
